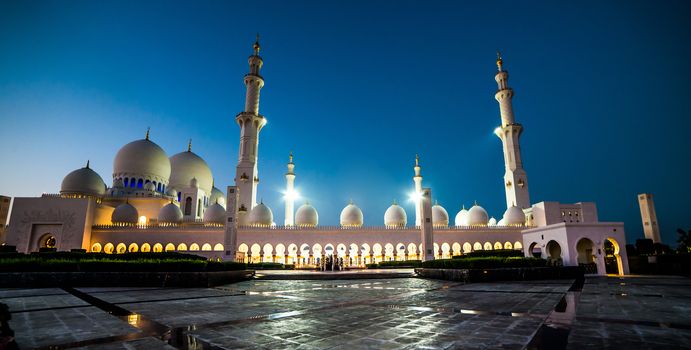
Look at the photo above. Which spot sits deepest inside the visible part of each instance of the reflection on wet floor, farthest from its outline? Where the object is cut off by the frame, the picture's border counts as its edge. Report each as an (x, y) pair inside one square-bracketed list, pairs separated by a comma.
[(377, 314)]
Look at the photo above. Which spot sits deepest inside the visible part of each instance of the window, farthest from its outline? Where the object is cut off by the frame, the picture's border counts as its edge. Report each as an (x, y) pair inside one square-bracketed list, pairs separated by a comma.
[(140, 183), (188, 206)]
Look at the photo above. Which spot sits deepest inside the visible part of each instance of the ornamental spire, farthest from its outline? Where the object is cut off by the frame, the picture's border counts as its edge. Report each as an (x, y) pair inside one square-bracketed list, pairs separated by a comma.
[(290, 157), (189, 146), (147, 132), (500, 62), (256, 46), (87, 164)]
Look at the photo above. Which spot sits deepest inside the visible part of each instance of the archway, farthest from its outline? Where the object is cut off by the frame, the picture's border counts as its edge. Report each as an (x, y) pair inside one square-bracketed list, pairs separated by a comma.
[(613, 263), (267, 251), (477, 246), (158, 247), (146, 247), (553, 250), (133, 248), (305, 254), (456, 248), (182, 247), (586, 255), (364, 253), (436, 252), (121, 248), (508, 245), (388, 252), (195, 247), (377, 251), (517, 245), (218, 247), (242, 249), (535, 250), (170, 247), (467, 248), (445, 250), (342, 250), (281, 253), (48, 241), (498, 246), (96, 248), (255, 251), (412, 252), (108, 248), (487, 246), (400, 252)]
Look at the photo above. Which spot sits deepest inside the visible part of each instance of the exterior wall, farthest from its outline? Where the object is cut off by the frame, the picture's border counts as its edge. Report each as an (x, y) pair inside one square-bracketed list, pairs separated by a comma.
[(568, 236), (4, 214), (550, 213), (651, 229), (69, 220)]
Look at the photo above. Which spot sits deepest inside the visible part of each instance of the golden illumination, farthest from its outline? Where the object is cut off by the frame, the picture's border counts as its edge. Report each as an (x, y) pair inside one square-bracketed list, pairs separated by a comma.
[(142, 220)]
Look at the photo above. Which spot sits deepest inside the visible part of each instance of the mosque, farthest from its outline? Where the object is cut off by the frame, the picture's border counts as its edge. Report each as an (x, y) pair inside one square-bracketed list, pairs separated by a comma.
[(159, 203)]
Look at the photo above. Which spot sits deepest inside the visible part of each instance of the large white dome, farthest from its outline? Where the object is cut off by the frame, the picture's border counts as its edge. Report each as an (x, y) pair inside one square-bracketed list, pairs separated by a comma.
[(186, 166), (142, 159), (395, 216), (477, 216), (461, 217), (514, 216), (83, 181), (217, 197), (215, 214), (170, 214), (306, 216), (440, 217), (261, 215), (351, 216), (125, 213)]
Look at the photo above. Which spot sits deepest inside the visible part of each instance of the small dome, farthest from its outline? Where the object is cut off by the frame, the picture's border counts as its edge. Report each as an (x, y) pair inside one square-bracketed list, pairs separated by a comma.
[(83, 181), (477, 216), (217, 197), (492, 222), (395, 216), (125, 213), (149, 186), (306, 216), (170, 213), (142, 159), (261, 215), (462, 217), (501, 223), (216, 214), (351, 216), (440, 217), (172, 192), (514, 216), (187, 166)]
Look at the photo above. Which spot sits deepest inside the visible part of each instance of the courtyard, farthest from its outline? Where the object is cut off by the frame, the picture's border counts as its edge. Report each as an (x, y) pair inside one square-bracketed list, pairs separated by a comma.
[(391, 313)]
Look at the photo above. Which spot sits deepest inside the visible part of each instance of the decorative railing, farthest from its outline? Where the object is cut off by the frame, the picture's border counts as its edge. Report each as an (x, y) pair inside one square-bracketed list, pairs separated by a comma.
[(200, 224)]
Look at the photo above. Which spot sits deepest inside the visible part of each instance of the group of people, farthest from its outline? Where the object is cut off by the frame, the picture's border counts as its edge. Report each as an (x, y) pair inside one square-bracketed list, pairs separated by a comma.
[(331, 263)]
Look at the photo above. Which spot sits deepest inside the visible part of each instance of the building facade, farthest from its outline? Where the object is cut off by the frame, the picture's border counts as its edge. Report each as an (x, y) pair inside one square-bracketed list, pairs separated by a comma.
[(160, 203)]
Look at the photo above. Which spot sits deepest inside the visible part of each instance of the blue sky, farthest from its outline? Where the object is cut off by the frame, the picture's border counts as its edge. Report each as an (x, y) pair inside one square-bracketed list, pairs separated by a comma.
[(356, 89)]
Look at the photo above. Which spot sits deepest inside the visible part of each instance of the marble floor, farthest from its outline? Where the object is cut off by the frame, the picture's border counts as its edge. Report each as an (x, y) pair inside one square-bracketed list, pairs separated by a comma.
[(396, 313)]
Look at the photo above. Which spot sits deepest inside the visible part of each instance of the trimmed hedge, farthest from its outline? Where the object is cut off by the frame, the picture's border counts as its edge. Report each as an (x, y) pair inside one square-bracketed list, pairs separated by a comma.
[(484, 263), (100, 262), (270, 266), (395, 264)]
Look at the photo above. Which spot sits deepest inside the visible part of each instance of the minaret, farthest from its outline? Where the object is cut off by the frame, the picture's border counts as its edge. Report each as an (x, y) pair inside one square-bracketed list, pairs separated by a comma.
[(251, 123), (515, 178), (418, 192), (290, 193)]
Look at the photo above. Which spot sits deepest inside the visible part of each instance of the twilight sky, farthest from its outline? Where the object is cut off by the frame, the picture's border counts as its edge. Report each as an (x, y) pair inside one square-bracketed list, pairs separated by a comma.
[(355, 89)]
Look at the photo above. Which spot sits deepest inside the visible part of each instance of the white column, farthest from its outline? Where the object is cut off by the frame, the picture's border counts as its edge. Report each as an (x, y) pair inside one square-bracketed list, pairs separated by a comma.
[(427, 233), (290, 194), (230, 236)]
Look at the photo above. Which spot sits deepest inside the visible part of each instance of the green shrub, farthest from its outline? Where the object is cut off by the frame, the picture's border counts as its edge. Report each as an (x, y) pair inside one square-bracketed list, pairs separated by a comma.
[(270, 266), (484, 263), (81, 262)]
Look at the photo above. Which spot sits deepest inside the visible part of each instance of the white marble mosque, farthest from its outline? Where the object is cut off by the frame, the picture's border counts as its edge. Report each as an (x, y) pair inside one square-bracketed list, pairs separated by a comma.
[(160, 203)]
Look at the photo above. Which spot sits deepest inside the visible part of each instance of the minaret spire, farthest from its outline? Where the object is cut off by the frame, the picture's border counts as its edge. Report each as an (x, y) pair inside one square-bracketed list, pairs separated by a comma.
[(515, 177), (148, 129), (290, 195), (251, 123), (189, 146), (417, 179)]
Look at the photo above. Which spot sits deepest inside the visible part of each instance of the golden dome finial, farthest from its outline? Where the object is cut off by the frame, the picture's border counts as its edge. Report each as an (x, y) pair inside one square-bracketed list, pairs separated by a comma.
[(256, 46), (290, 157), (189, 146), (148, 129), (417, 160), (500, 62)]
